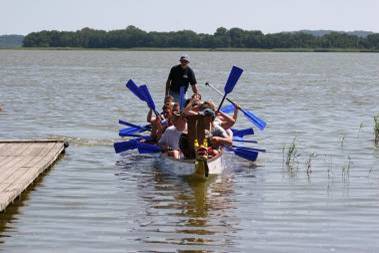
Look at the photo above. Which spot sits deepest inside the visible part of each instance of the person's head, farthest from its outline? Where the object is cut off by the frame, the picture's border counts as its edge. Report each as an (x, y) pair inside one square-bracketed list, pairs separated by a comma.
[(184, 61), (179, 121), (167, 111), (168, 99), (208, 114), (196, 96), (175, 108), (195, 106), (208, 105)]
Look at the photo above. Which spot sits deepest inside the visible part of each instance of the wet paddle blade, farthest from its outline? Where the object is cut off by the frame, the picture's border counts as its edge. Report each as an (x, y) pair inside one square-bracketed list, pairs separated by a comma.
[(181, 98), (132, 86), (128, 131), (145, 148), (125, 145), (261, 124), (246, 154), (242, 132), (234, 75)]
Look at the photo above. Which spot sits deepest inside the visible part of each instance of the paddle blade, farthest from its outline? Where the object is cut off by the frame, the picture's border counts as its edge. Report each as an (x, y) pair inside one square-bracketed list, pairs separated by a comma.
[(251, 149), (145, 148), (132, 86), (128, 131), (181, 98), (227, 108), (242, 132), (125, 145), (149, 100), (246, 154), (261, 124), (234, 75)]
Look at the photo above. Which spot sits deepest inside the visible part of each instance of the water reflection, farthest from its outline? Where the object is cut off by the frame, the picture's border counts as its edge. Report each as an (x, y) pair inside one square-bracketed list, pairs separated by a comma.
[(192, 215)]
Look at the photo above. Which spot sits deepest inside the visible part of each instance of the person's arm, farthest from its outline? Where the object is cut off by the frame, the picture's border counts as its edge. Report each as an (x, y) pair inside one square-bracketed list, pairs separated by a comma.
[(235, 114), (227, 121), (188, 110), (168, 82), (150, 117), (222, 141), (193, 82), (195, 89)]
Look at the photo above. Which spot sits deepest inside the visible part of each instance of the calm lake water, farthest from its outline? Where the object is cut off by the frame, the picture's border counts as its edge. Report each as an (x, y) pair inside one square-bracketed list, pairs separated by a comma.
[(95, 201)]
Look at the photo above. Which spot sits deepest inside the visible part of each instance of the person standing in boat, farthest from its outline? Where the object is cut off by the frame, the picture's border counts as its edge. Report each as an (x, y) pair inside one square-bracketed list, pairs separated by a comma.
[(181, 75)]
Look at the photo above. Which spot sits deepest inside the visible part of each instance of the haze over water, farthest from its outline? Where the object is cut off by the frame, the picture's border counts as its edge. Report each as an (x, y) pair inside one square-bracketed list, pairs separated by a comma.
[(95, 201)]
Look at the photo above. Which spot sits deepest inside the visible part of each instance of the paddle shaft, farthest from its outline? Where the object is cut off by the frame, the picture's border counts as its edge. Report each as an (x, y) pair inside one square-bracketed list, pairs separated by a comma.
[(221, 94), (224, 97)]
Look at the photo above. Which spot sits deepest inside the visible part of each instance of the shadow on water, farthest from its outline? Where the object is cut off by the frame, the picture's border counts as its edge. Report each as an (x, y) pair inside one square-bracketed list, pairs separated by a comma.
[(9, 215), (183, 214)]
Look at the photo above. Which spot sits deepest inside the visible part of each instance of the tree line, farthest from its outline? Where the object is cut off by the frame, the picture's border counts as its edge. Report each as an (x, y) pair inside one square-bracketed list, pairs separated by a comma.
[(132, 37)]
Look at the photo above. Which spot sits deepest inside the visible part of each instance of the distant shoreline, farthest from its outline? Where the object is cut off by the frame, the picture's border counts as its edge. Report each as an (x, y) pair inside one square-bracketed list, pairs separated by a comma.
[(280, 50)]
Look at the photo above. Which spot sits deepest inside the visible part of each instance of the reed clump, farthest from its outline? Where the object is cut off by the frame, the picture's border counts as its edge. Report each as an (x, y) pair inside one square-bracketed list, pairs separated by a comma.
[(308, 164), (376, 129), (291, 156), (346, 170)]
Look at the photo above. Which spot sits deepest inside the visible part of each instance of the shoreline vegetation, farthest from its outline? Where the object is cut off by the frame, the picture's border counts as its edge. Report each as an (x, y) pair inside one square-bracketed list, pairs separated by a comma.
[(256, 50), (234, 39)]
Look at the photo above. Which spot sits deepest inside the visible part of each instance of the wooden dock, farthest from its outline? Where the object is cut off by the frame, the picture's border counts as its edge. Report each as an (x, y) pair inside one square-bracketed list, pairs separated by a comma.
[(21, 162)]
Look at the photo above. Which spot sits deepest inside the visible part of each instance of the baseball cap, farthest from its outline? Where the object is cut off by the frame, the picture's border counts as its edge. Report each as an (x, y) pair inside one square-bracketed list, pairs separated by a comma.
[(184, 58)]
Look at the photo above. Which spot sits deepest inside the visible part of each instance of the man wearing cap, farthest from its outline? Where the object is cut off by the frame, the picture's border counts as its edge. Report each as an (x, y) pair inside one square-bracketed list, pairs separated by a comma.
[(181, 75)]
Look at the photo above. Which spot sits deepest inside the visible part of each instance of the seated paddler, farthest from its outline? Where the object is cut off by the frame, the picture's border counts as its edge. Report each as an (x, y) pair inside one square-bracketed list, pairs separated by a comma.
[(169, 141)]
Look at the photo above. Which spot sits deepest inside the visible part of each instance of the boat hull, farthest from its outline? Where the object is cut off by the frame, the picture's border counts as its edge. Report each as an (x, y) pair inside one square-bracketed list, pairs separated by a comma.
[(192, 168)]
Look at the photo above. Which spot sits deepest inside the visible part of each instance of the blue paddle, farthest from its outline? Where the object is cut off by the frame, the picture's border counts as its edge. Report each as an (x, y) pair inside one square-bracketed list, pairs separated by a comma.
[(242, 132), (144, 91), (234, 75), (250, 149), (228, 108), (145, 148), (239, 139), (133, 128), (246, 154), (260, 123), (125, 145), (181, 98), (132, 86)]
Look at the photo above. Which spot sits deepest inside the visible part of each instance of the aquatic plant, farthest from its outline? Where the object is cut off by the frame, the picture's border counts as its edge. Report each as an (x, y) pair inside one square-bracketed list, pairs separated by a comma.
[(346, 170), (376, 129), (308, 164), (342, 140), (291, 157)]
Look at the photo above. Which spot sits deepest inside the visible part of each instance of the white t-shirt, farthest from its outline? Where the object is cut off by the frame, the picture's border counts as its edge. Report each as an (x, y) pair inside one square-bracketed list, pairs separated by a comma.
[(171, 137)]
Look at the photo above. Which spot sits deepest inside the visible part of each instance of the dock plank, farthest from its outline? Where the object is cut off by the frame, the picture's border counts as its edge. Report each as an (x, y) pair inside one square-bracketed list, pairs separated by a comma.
[(28, 167), (21, 162)]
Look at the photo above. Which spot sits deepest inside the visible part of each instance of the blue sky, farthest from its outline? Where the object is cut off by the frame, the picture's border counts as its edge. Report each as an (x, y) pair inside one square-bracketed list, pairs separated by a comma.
[(24, 16)]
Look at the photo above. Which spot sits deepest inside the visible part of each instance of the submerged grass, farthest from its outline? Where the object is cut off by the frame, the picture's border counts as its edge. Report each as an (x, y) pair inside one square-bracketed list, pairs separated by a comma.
[(308, 164), (346, 170), (290, 156)]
